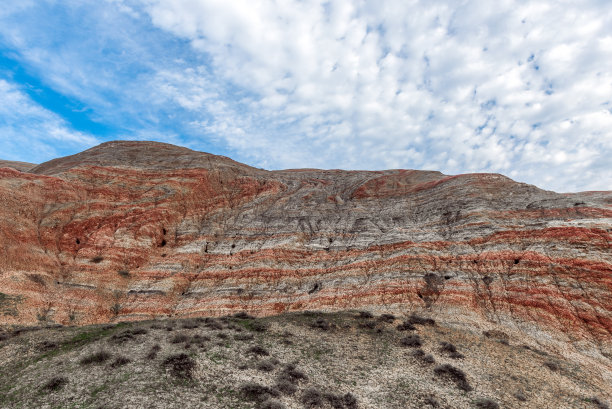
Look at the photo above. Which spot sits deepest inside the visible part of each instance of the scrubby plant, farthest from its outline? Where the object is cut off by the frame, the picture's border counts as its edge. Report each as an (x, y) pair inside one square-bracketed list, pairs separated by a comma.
[(124, 273), (180, 365), (286, 387), (120, 361), (454, 374), (406, 326), (152, 354), (365, 315), (257, 393), (411, 341), (96, 358), (484, 403), (598, 403), (179, 339), (258, 350), (418, 320), (387, 317), (272, 404), (55, 383), (312, 398), (321, 324), (553, 366), (423, 357), (97, 259), (432, 401), (267, 365), (450, 350)]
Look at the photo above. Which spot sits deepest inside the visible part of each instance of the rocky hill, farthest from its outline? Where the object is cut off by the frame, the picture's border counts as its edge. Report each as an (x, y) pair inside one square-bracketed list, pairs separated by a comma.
[(137, 230)]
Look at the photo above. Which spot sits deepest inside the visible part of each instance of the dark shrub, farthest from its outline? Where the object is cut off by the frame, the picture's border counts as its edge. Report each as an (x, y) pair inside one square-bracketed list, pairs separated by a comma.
[(520, 396), (483, 403), (139, 331), (190, 324), (96, 358), (122, 337), (123, 273), (406, 326), (387, 317), (258, 350), (272, 404), (454, 374), (432, 401), (311, 398), (350, 401), (418, 320), (368, 324), (55, 383), (243, 315), (341, 401), (423, 357), (450, 350), (180, 365), (267, 365), (412, 341), (493, 333), (258, 393), (46, 345), (120, 361), (243, 337), (152, 354), (291, 374), (322, 324), (213, 324), (258, 326), (553, 366), (222, 335), (286, 387), (598, 403), (365, 314), (179, 339), (97, 259)]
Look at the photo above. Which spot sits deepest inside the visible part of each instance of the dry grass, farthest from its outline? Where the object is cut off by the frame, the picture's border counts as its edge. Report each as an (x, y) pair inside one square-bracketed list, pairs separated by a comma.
[(285, 362)]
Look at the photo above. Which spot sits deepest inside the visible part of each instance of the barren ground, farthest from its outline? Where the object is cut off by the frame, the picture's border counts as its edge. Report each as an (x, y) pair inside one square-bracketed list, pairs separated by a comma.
[(310, 359)]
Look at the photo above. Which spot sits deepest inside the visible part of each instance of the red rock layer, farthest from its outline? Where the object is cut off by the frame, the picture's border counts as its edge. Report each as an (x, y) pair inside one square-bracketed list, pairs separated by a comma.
[(179, 233)]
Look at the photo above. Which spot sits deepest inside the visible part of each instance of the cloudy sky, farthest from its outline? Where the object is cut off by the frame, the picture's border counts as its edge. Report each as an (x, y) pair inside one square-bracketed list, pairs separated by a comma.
[(522, 88)]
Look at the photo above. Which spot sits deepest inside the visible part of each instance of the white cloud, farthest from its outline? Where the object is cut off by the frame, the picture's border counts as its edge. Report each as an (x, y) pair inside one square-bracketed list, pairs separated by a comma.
[(25, 126), (520, 88)]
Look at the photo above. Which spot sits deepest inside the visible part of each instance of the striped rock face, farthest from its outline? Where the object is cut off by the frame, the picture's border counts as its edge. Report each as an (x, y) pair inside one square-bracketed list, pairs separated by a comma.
[(134, 230)]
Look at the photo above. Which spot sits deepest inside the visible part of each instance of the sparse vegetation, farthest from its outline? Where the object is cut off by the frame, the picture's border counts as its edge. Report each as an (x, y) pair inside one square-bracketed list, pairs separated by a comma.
[(312, 398), (55, 383), (96, 358), (120, 361), (258, 350), (208, 366), (412, 341), (484, 403), (454, 374), (257, 393), (124, 273), (97, 259), (180, 365)]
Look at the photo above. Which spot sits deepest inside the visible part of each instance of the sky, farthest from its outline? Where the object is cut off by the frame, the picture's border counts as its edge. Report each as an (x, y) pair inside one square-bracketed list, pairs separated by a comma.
[(521, 88)]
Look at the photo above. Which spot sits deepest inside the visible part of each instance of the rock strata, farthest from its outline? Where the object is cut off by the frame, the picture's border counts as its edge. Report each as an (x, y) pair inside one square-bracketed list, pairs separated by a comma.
[(132, 230)]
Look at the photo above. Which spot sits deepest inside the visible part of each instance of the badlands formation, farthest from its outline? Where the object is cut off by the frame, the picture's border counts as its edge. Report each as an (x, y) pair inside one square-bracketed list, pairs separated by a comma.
[(138, 230)]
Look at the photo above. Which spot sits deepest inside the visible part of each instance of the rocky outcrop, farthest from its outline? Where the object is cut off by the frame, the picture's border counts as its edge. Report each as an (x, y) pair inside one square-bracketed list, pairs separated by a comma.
[(131, 230)]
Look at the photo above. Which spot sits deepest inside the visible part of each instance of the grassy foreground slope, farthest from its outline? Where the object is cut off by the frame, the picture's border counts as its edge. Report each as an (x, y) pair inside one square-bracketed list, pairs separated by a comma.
[(301, 360)]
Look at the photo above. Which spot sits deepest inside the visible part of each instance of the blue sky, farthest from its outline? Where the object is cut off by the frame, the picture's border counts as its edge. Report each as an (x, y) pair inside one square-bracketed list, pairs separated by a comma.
[(522, 88)]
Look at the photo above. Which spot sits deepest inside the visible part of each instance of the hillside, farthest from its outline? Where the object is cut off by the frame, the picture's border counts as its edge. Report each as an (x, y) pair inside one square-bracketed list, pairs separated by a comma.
[(131, 231)]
